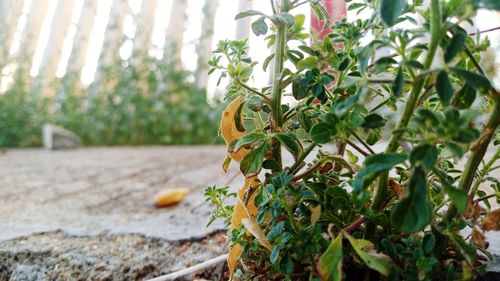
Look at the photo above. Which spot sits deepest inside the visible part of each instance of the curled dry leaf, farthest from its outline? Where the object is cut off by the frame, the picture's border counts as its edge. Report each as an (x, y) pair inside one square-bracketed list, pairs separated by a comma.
[(478, 238), (239, 213), (315, 214), (170, 196), (491, 221), (253, 227), (229, 129)]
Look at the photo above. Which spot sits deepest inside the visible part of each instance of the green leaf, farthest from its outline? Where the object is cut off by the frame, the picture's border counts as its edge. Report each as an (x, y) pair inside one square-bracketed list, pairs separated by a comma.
[(464, 98), (248, 139), (259, 27), (424, 155), (373, 136), (455, 45), (455, 149), (284, 18), (386, 60), (252, 163), (475, 80), (390, 10), (226, 163), (322, 133), (344, 106), (398, 83), (468, 251), (457, 196), (267, 61), (414, 212), (330, 262), (373, 121), (308, 63), (344, 64), (275, 254), (248, 13), (373, 166), (443, 87), (369, 255), (290, 142)]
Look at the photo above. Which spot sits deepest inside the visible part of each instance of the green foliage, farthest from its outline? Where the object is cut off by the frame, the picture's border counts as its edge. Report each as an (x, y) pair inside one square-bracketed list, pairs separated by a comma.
[(147, 104), (397, 214)]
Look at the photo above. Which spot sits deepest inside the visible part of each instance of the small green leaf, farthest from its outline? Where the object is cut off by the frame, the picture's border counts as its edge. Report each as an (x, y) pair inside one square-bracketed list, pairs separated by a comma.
[(251, 164), (275, 254), (290, 142), (267, 61), (386, 60), (284, 18), (414, 212), (443, 87), (255, 103), (330, 262), (369, 255), (259, 27), (344, 64), (308, 63), (455, 45), (373, 121), (457, 196), (248, 13), (398, 83), (373, 166), (455, 149), (464, 98), (424, 155), (390, 10), (226, 163), (490, 4), (248, 139), (373, 136), (322, 133), (475, 80)]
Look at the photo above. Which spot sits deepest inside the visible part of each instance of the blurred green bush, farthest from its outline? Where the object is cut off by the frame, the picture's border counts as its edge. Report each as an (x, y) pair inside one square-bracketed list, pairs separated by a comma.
[(148, 102)]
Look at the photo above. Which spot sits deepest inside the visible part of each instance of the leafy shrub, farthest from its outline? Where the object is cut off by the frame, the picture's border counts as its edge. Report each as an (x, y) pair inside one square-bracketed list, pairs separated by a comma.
[(145, 103), (397, 215)]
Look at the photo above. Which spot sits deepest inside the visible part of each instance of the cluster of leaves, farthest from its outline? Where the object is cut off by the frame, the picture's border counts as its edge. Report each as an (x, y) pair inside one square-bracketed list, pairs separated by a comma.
[(397, 215), (136, 104)]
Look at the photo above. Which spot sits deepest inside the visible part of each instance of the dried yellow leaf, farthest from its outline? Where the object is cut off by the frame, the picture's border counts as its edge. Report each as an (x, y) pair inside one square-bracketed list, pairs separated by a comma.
[(170, 196), (239, 213), (253, 227), (229, 130), (315, 214), (492, 221)]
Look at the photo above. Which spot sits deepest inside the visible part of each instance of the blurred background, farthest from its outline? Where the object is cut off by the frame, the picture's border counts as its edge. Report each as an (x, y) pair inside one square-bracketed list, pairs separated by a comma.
[(123, 72)]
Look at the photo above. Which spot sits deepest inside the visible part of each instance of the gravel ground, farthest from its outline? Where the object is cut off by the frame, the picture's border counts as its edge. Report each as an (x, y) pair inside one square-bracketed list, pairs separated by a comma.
[(59, 256)]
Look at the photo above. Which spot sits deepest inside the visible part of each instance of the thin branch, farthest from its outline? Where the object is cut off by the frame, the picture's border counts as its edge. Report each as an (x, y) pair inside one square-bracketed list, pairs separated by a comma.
[(485, 31), (353, 226), (191, 269), (266, 98), (359, 149), (363, 142)]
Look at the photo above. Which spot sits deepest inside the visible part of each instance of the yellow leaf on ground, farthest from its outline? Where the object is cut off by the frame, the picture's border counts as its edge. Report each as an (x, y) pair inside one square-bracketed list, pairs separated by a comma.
[(170, 196), (229, 130)]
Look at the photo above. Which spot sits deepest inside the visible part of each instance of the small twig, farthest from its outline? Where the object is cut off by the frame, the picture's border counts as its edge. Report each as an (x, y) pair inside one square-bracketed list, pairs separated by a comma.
[(359, 149), (363, 143), (485, 31), (266, 98), (353, 226), (191, 269)]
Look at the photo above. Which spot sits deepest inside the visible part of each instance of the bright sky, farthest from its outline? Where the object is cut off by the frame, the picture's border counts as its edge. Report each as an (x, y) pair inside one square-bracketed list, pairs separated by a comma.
[(224, 29)]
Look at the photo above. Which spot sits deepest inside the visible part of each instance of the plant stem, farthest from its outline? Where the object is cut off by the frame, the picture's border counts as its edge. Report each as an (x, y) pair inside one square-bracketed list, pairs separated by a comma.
[(477, 156), (301, 158), (435, 25), (277, 114)]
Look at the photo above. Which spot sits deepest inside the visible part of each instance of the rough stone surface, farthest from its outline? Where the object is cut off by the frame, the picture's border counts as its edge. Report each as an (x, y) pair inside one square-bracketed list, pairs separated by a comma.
[(56, 138), (91, 190)]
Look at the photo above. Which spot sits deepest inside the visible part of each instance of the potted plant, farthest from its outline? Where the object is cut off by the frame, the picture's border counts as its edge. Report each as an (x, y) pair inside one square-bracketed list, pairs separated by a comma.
[(375, 190)]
